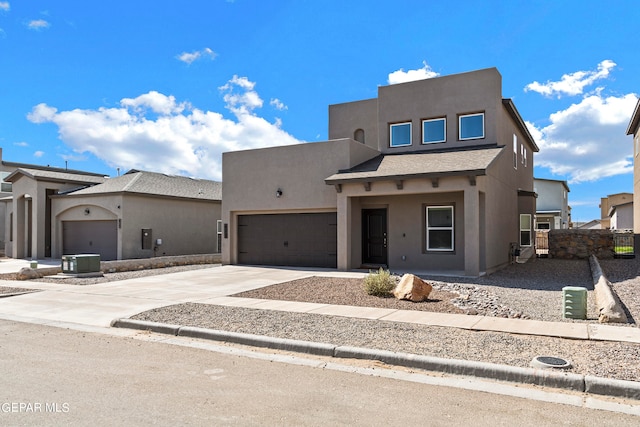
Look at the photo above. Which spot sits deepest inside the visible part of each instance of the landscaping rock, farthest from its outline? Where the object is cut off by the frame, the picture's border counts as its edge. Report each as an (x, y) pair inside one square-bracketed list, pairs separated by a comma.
[(412, 288), (27, 273)]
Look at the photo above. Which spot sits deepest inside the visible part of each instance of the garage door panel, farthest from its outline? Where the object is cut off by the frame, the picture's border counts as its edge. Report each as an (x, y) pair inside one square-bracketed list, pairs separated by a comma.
[(308, 240), (96, 237)]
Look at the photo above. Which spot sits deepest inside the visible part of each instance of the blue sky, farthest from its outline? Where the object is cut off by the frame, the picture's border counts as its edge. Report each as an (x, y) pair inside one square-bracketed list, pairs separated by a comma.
[(168, 86)]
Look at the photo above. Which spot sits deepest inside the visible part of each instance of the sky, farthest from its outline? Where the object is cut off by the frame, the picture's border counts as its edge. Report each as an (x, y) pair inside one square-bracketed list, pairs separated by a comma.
[(168, 86)]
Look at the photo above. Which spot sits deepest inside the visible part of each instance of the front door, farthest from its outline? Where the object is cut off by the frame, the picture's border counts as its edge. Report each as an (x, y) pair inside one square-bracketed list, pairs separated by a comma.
[(374, 236)]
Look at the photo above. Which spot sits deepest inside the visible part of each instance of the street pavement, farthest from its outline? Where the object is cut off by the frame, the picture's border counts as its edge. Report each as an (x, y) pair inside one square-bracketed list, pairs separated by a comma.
[(95, 307), (55, 376)]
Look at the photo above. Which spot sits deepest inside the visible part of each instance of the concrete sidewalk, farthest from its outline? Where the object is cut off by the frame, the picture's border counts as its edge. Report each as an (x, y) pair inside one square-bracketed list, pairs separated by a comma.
[(99, 305)]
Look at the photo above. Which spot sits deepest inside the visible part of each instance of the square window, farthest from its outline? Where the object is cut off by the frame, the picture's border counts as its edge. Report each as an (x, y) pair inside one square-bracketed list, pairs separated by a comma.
[(440, 228), (434, 130), (471, 126), (400, 134)]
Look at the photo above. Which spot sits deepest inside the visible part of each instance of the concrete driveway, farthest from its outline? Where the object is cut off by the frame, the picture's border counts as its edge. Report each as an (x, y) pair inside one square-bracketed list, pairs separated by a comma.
[(98, 305)]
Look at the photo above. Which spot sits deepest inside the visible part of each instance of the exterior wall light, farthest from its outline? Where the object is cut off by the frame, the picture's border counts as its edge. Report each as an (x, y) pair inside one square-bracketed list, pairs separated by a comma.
[(278, 193)]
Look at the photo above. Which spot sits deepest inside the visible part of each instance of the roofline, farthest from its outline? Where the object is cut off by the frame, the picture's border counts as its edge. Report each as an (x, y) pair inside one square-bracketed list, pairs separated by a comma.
[(12, 175), (515, 115), (635, 120), (474, 172), (50, 169), (134, 193), (564, 182)]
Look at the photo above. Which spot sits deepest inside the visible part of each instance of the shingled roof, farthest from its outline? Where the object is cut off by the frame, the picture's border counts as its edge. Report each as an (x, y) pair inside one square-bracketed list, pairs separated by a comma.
[(418, 165), (152, 183), (59, 175)]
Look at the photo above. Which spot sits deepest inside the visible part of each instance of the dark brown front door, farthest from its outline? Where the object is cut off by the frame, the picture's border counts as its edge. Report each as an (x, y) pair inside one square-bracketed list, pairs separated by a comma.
[(374, 236)]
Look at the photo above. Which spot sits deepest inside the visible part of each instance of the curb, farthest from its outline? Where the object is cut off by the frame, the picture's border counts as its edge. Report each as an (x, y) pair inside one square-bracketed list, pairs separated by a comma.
[(541, 377)]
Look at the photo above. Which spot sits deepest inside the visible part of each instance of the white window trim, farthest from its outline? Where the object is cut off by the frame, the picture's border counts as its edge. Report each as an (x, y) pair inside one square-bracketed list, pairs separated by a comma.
[(460, 126), (452, 228), (524, 229), (391, 134), (515, 151), (444, 120)]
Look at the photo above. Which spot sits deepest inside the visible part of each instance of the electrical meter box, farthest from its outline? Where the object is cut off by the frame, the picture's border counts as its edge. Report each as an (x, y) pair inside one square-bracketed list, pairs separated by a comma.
[(83, 263), (574, 302)]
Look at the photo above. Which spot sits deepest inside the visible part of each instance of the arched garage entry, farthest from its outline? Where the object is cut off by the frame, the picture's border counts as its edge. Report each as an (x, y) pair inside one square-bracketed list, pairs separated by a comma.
[(91, 237)]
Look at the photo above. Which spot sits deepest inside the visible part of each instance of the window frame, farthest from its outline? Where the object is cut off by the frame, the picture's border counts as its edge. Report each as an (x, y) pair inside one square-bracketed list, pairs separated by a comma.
[(524, 230), (463, 116), (444, 134), (515, 151), (451, 228), (392, 125)]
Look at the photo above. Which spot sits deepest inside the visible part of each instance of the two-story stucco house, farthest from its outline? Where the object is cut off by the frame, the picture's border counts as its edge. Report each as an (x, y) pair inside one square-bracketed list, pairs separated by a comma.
[(432, 176), (552, 206), (634, 129)]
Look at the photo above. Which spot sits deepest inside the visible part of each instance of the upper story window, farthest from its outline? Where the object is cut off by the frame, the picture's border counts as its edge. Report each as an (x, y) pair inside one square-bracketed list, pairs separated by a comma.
[(400, 134), (434, 130), (471, 126), (5, 187), (515, 151)]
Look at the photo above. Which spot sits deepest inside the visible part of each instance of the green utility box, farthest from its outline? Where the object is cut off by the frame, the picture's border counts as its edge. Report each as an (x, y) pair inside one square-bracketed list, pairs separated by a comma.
[(574, 302), (78, 264)]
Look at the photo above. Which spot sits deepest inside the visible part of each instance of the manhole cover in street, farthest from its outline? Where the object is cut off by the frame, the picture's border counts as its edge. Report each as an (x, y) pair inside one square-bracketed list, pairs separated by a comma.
[(545, 362)]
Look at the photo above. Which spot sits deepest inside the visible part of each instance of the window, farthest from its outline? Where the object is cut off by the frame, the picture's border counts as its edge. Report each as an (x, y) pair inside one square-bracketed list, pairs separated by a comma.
[(219, 230), (515, 151), (358, 135), (440, 228), (434, 130), (471, 126), (5, 187), (525, 230), (525, 158), (400, 134)]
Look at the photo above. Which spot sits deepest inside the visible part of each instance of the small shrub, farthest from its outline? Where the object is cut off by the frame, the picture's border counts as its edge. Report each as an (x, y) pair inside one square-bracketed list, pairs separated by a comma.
[(379, 283)]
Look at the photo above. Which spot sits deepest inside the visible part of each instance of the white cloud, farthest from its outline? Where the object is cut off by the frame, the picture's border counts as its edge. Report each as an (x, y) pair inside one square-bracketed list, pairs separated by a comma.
[(587, 141), (574, 83), (189, 57), (277, 104), (38, 24), (5, 6), (401, 76), (176, 139), (38, 154), (21, 144)]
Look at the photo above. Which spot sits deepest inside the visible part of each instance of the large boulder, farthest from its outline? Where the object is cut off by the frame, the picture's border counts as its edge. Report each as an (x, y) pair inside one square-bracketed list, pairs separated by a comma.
[(27, 273), (412, 288)]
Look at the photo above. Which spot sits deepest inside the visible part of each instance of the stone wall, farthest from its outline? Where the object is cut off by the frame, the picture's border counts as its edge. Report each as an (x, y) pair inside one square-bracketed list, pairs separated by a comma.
[(580, 244), (158, 262)]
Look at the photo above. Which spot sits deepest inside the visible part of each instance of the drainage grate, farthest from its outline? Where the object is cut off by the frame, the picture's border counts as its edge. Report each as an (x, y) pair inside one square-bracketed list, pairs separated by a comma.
[(547, 362)]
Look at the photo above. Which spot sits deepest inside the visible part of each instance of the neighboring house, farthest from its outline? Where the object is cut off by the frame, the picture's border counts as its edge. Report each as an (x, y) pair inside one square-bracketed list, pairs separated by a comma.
[(621, 216), (432, 175), (27, 209), (139, 215), (633, 129), (552, 204), (606, 203), (49, 212), (591, 225)]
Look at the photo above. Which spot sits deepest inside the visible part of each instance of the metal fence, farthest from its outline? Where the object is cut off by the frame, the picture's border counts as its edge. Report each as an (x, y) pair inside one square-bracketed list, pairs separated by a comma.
[(623, 244), (542, 243)]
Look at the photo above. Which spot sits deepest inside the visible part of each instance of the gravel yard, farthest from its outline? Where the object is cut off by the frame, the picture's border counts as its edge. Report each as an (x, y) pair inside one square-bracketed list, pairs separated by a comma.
[(533, 290)]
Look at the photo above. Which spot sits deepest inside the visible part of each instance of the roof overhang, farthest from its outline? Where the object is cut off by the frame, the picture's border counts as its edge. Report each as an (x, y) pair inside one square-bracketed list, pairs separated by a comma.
[(635, 120), (513, 112)]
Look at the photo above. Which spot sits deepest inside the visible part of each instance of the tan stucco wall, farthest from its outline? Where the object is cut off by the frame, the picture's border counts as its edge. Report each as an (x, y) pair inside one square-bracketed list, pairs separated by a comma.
[(37, 190), (185, 227), (346, 118), (251, 179), (636, 183)]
